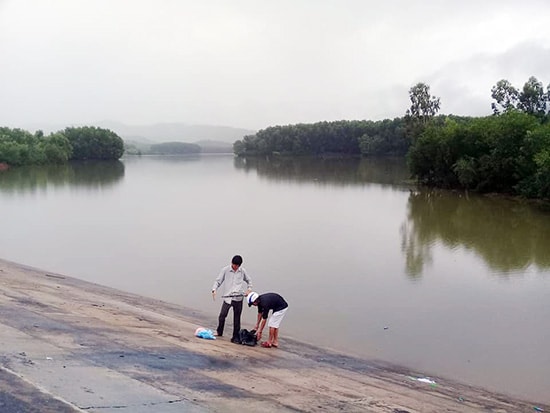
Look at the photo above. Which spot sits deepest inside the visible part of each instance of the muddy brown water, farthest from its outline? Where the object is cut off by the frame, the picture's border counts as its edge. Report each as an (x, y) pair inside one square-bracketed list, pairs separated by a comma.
[(446, 282)]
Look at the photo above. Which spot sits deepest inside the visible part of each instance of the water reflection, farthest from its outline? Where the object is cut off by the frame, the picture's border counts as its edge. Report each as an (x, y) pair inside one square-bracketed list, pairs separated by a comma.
[(510, 236), (193, 157), (90, 174), (331, 170)]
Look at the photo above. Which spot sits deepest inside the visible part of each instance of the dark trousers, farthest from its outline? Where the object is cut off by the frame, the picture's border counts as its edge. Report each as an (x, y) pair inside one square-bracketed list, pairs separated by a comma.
[(237, 310)]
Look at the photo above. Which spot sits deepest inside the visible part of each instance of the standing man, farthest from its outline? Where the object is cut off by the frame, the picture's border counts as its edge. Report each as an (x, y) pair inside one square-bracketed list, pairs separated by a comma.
[(233, 277), (265, 303)]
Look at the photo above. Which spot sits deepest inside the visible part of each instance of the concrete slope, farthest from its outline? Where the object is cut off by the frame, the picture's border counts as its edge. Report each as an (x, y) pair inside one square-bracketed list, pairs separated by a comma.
[(68, 345)]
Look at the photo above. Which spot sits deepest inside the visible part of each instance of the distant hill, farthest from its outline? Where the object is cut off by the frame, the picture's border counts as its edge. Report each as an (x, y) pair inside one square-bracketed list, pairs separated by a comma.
[(208, 146), (135, 144), (158, 132), (211, 138), (175, 132)]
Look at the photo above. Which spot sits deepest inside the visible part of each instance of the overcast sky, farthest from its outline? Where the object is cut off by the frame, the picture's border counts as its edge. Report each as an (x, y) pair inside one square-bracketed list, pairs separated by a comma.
[(254, 64)]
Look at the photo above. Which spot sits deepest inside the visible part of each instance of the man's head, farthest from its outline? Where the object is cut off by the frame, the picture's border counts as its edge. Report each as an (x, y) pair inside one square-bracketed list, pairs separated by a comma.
[(252, 298), (236, 262)]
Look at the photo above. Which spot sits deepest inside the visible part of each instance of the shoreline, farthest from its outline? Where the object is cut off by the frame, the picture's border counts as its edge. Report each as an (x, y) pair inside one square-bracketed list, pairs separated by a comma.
[(75, 346)]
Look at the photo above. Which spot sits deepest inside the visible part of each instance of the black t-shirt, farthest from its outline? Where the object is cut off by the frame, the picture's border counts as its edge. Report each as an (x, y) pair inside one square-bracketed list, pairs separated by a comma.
[(270, 301)]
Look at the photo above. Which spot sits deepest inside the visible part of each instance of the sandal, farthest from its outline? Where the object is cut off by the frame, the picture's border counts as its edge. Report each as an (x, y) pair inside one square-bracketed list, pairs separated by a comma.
[(265, 344)]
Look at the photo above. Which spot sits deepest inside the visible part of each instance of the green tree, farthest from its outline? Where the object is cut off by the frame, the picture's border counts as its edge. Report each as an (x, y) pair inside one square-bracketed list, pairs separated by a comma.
[(423, 105), (90, 142), (56, 148), (370, 145), (18, 147), (423, 108), (503, 153), (506, 96), (505, 163), (385, 137), (535, 158), (542, 175), (533, 99), (432, 157)]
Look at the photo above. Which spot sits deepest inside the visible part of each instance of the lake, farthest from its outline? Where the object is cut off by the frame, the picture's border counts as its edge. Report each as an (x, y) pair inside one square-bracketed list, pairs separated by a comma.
[(445, 283)]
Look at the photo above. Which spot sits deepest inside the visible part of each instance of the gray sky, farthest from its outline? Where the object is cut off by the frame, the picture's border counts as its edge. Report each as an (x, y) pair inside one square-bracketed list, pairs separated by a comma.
[(254, 64)]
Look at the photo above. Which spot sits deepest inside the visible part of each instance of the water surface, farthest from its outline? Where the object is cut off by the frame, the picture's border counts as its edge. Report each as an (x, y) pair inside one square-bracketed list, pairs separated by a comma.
[(444, 283)]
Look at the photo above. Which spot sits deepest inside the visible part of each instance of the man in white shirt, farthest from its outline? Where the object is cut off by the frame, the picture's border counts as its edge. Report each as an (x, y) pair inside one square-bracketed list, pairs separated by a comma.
[(232, 277)]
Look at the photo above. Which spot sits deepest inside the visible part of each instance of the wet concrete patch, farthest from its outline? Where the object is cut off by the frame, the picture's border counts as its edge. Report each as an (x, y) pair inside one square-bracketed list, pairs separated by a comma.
[(98, 389), (202, 383), (31, 303), (16, 395), (172, 365), (24, 319), (38, 324), (171, 359)]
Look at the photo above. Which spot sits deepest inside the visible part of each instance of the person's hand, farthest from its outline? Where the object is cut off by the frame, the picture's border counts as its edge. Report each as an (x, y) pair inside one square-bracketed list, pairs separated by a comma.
[(213, 295), (259, 335)]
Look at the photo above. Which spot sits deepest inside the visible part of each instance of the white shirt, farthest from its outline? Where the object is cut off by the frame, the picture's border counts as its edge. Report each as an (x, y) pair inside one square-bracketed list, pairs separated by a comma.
[(233, 282)]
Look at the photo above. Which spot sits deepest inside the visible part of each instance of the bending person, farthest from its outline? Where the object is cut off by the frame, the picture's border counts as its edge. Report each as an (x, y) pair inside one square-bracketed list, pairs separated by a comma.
[(265, 303)]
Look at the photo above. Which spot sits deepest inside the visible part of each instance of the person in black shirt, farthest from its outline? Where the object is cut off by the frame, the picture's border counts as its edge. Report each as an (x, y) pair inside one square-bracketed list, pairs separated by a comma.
[(265, 303)]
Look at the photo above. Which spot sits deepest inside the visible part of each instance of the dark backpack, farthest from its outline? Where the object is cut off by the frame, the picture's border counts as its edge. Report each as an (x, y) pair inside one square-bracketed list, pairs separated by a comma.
[(248, 338)]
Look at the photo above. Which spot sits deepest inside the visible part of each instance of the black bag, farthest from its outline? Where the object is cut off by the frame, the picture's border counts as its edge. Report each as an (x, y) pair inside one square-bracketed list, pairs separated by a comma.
[(248, 338)]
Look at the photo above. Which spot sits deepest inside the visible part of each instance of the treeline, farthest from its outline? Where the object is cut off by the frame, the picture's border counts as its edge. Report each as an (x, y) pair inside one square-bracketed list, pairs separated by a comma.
[(354, 137), (20, 147), (176, 148), (508, 152)]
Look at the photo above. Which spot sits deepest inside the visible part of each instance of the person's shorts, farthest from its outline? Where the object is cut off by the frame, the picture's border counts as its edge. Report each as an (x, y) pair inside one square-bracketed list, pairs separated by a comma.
[(276, 318)]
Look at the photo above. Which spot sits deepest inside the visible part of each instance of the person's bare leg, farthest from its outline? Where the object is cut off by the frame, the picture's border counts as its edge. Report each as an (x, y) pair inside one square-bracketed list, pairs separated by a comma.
[(271, 335), (275, 341)]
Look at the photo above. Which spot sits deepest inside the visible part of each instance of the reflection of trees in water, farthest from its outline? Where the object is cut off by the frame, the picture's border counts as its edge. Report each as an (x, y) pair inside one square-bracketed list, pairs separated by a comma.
[(89, 174), (508, 235), (330, 170), (417, 254)]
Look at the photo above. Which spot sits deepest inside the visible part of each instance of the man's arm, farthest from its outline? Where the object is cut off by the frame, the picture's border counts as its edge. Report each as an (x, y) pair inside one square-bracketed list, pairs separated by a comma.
[(260, 326), (217, 282), (258, 321), (248, 282)]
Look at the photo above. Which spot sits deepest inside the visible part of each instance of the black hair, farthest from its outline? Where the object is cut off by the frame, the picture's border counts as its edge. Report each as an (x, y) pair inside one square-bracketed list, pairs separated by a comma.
[(237, 259)]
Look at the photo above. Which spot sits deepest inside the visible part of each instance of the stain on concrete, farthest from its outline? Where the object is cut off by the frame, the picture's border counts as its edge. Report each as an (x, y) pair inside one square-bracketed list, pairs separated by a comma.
[(17, 396)]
